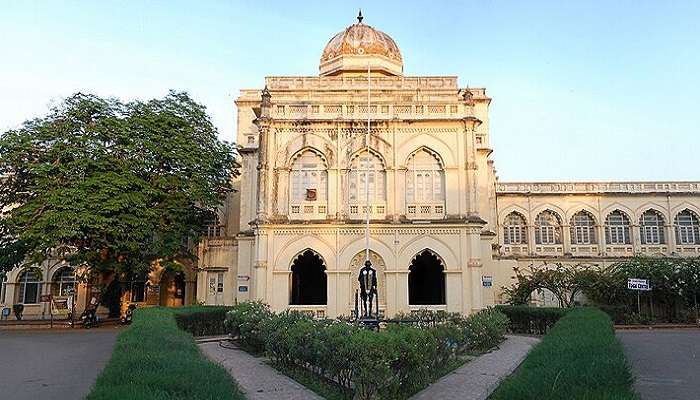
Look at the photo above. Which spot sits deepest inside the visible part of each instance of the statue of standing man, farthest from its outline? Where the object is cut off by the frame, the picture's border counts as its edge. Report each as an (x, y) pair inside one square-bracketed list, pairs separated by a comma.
[(368, 288)]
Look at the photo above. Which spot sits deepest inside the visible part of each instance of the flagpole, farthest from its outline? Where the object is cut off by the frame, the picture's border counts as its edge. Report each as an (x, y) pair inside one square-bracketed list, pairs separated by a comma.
[(367, 136)]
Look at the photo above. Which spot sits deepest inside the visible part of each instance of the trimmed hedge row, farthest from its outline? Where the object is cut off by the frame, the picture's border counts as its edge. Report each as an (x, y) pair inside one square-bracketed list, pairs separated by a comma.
[(202, 320), (154, 359), (579, 359), (532, 320), (393, 363)]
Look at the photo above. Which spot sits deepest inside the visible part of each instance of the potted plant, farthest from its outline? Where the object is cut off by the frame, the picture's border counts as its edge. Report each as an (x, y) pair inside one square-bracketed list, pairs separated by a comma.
[(18, 309)]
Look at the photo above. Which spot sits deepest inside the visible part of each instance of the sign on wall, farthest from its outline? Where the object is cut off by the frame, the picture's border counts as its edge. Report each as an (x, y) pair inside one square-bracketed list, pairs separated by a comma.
[(487, 280), (243, 288), (638, 284)]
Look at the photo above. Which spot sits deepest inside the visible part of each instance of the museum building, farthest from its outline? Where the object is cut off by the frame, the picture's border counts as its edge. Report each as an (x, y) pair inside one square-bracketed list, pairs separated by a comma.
[(444, 232)]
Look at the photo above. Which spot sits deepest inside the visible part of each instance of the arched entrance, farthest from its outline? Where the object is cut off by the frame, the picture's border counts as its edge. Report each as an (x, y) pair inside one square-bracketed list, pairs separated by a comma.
[(172, 289), (308, 280), (426, 280)]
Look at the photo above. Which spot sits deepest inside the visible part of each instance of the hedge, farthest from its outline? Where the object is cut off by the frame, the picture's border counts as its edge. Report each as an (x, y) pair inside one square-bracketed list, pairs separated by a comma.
[(532, 320), (202, 320), (393, 363), (154, 359), (579, 359)]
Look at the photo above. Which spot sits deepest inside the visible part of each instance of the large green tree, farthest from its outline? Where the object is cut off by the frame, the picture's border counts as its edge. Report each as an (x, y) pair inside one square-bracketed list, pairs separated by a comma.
[(110, 184)]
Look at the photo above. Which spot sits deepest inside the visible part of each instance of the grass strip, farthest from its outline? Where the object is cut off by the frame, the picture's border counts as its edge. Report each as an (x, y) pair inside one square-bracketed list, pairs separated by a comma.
[(154, 359), (580, 359)]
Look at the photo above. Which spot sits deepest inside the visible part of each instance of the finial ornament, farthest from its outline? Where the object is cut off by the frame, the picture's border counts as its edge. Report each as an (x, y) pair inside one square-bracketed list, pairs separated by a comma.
[(360, 17)]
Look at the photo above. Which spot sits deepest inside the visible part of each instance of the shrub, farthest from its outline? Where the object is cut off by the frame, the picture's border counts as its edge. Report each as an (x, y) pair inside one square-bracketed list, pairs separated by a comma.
[(579, 359), (244, 321), (393, 363), (532, 320), (485, 329), (202, 320), (154, 359)]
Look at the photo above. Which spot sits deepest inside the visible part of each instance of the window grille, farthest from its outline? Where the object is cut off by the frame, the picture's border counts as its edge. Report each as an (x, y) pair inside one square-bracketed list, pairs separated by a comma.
[(333, 109), (308, 183), (582, 229), (547, 228), (63, 282), (411, 209), (617, 228), (514, 229), (28, 288), (651, 227), (687, 228)]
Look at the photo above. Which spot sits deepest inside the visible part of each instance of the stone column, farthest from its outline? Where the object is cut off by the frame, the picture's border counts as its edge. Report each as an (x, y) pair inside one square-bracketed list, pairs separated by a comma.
[(600, 232), (566, 238)]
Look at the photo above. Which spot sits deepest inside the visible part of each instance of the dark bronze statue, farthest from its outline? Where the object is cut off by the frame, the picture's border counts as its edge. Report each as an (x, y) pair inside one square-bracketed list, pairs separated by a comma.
[(368, 288)]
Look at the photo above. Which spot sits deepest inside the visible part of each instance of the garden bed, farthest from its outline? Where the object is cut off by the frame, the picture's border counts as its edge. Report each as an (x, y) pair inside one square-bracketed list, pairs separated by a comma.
[(154, 359), (580, 358), (342, 359)]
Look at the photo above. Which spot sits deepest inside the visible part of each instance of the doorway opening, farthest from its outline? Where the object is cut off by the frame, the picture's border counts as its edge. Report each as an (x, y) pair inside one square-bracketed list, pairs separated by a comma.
[(308, 280), (426, 280)]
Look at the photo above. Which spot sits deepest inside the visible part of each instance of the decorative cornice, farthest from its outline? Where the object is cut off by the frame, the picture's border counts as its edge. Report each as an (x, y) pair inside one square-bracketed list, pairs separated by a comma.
[(596, 187)]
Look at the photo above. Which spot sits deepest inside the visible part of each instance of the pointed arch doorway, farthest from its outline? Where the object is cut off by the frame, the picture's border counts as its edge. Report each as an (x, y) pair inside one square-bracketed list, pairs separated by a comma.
[(309, 281), (426, 280)]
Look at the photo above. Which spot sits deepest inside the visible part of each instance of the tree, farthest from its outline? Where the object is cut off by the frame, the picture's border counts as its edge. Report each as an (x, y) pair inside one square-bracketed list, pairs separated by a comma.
[(564, 281), (112, 185)]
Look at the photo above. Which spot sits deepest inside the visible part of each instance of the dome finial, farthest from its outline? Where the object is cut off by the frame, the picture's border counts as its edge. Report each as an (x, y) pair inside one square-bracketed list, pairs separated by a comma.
[(360, 17)]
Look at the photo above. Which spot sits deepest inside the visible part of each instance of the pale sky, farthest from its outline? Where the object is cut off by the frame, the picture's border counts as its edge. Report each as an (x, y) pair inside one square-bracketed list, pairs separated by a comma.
[(595, 90)]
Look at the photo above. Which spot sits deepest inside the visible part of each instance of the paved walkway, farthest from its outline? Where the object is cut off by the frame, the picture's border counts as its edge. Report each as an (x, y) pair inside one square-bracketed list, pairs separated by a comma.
[(481, 376), (256, 379), (666, 363), (52, 364)]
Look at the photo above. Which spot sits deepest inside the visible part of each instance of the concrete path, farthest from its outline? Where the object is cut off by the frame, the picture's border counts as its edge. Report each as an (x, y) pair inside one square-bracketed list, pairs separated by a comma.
[(666, 363), (477, 379), (256, 379), (52, 364)]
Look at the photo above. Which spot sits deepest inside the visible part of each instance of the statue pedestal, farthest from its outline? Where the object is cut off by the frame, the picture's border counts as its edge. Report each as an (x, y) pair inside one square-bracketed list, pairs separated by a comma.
[(370, 323)]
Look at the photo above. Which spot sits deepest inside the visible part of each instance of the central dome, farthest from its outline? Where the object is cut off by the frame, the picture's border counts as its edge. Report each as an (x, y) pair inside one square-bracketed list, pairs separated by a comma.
[(359, 46)]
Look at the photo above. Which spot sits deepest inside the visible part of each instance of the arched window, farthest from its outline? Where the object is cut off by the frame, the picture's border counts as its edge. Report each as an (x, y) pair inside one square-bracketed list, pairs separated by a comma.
[(547, 228), (367, 173), (583, 228), (308, 280), (63, 283), (214, 226), (687, 228), (514, 229), (28, 284), (425, 185), (426, 280), (651, 228), (617, 228), (308, 182)]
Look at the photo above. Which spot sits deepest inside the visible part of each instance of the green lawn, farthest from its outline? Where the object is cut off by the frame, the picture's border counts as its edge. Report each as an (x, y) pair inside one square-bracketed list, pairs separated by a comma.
[(154, 359), (580, 359)]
